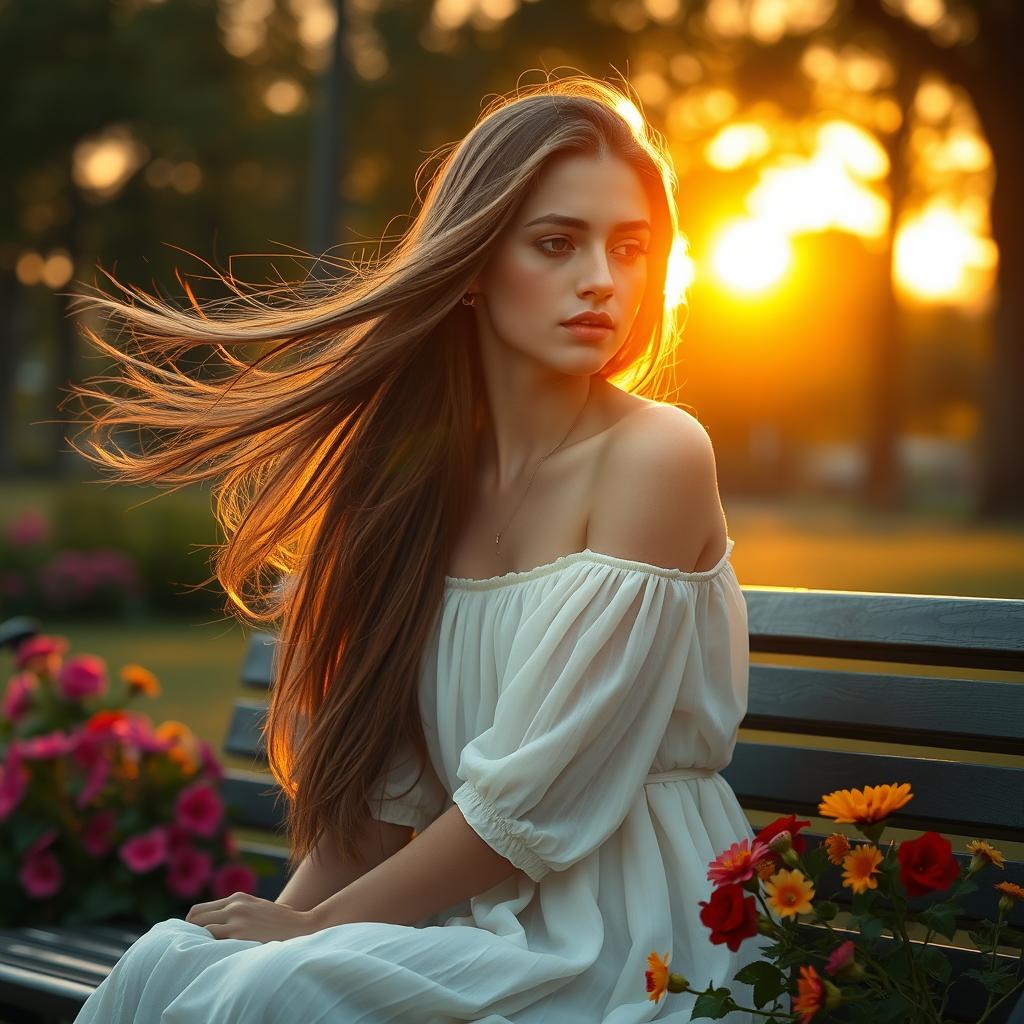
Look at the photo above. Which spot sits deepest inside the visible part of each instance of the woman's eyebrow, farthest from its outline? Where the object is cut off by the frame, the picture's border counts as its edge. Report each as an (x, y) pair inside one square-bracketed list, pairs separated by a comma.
[(575, 222)]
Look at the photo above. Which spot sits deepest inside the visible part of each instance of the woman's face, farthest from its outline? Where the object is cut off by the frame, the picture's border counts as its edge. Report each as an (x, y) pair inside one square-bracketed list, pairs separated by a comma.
[(577, 245)]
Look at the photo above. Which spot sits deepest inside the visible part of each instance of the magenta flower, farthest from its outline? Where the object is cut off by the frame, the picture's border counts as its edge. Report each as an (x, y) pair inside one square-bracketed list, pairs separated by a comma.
[(18, 697), (13, 780), (199, 809), (40, 654), (51, 744), (99, 772), (142, 853), (188, 870), (97, 833), (232, 878), (41, 876), (82, 676), (840, 957)]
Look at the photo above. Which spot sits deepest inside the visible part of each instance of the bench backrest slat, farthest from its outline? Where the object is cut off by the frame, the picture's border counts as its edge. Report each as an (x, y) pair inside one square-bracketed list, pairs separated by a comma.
[(980, 632)]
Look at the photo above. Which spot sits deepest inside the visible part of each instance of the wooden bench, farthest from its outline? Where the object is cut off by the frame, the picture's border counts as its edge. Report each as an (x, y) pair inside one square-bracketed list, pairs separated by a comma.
[(958, 790)]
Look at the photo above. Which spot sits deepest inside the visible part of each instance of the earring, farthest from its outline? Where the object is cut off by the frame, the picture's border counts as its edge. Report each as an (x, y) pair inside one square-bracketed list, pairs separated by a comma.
[(469, 298)]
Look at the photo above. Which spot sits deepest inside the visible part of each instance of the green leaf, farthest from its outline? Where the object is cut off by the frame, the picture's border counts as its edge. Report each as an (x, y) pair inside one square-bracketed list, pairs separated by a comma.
[(816, 861), (715, 1004), (933, 962), (941, 917), (870, 926), (825, 910), (1000, 980), (768, 980), (893, 1007)]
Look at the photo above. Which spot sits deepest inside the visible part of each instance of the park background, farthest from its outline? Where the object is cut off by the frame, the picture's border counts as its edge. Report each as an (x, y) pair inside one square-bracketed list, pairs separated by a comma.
[(852, 264)]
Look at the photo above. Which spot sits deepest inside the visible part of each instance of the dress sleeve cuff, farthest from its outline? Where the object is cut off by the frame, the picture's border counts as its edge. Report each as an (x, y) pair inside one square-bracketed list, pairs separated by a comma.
[(497, 831)]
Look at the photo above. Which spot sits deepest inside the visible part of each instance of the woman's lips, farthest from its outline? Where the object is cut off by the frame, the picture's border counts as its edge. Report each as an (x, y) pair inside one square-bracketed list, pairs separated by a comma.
[(588, 332)]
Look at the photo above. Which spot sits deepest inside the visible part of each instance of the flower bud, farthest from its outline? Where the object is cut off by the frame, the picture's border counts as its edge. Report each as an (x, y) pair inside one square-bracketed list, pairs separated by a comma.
[(791, 857), (677, 983), (852, 971), (833, 997), (765, 925), (1005, 904), (781, 842)]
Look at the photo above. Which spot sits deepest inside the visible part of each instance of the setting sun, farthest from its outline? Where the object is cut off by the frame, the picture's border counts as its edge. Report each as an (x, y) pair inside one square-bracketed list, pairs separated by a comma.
[(750, 256)]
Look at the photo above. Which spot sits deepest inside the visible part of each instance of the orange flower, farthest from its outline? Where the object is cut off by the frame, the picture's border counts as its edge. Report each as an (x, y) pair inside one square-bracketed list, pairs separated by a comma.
[(986, 852), (810, 993), (1015, 892), (656, 976), (813, 994), (789, 892), (838, 846), (185, 751), (140, 680), (860, 866), (765, 868), (862, 807)]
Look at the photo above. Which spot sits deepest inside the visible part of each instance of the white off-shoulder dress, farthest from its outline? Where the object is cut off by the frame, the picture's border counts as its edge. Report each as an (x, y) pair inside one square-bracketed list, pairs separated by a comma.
[(578, 714)]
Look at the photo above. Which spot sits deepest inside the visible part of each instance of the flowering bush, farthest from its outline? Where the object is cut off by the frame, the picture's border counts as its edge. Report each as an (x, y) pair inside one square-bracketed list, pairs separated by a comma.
[(101, 815), (858, 978)]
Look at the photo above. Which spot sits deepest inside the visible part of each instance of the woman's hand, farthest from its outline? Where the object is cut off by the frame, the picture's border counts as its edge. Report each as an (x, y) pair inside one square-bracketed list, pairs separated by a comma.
[(243, 916)]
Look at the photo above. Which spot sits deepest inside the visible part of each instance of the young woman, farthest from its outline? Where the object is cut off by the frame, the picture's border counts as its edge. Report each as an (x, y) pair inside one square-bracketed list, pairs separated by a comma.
[(509, 626)]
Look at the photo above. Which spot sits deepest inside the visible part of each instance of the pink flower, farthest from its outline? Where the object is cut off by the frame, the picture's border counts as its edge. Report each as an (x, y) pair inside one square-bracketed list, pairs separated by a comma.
[(177, 837), (99, 772), (18, 698), (199, 809), (142, 853), (232, 878), (840, 957), (97, 834), (188, 871), (13, 780), (40, 654), (737, 863), (210, 763), (31, 527), (52, 744), (82, 676), (41, 876)]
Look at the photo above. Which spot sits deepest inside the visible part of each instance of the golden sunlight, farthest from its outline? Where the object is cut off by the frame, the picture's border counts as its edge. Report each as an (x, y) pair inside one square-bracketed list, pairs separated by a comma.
[(628, 109), (938, 255), (680, 273), (750, 255)]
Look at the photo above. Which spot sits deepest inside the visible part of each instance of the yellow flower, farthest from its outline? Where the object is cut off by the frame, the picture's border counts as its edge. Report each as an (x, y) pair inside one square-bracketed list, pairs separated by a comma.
[(861, 807), (859, 867), (1015, 892), (789, 892), (986, 851), (837, 846), (140, 680)]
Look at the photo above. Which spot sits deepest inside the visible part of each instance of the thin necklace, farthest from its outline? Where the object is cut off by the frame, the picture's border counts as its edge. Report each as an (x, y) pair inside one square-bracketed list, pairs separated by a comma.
[(497, 539)]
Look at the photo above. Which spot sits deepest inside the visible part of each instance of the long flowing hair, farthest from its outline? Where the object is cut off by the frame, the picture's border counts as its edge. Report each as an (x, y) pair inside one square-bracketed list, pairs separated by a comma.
[(340, 431)]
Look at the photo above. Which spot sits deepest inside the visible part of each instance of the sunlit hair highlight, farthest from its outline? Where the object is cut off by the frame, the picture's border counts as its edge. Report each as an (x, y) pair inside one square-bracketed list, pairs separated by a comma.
[(339, 424)]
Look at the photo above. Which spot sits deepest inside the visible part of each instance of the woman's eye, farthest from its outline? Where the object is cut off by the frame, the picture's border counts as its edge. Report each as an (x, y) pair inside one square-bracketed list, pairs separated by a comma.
[(634, 252), (548, 241)]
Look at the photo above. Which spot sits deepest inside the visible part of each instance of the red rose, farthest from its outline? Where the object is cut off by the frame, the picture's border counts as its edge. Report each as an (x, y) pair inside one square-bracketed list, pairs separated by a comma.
[(731, 915), (927, 864), (788, 824)]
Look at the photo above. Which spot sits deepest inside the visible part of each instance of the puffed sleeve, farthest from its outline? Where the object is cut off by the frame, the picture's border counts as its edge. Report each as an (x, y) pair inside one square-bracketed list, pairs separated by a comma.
[(591, 684), (417, 808)]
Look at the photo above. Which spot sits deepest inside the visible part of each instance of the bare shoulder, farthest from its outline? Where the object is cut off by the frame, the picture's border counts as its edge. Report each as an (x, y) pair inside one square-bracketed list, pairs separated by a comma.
[(656, 493)]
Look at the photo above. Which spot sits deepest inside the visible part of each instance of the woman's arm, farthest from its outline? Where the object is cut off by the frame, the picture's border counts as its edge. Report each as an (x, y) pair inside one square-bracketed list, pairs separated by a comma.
[(322, 872)]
